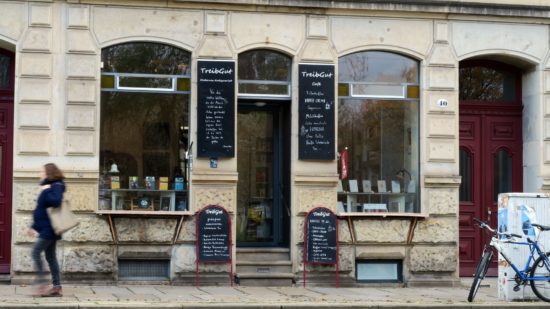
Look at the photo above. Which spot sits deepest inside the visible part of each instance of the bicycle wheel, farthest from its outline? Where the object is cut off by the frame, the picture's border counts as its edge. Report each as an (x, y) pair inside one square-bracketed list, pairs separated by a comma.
[(541, 288), (481, 270)]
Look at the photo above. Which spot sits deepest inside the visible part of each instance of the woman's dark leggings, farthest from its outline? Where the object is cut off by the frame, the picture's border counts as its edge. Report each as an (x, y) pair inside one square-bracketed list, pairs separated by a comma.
[(48, 246)]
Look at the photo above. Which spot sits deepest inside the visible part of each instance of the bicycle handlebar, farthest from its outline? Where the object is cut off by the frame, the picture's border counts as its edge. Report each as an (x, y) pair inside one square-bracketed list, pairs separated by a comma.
[(485, 225)]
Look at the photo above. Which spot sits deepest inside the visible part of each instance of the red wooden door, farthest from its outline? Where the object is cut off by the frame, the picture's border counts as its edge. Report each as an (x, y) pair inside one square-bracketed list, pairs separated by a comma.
[(491, 163), (7, 65), (490, 150)]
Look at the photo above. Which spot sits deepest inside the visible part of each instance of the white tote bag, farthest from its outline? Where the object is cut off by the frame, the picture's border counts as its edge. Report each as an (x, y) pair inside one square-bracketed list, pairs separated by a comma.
[(62, 217)]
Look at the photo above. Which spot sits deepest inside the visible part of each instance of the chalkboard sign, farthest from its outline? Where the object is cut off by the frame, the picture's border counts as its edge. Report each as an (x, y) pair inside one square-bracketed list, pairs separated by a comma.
[(321, 237), (216, 108), (316, 111), (213, 235)]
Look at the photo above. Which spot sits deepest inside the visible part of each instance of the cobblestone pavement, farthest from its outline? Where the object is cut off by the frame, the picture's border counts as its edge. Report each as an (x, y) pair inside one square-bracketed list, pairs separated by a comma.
[(163, 296)]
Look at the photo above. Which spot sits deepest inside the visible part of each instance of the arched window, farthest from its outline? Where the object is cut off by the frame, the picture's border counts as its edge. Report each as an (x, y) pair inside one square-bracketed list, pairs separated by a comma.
[(144, 126), (489, 82), (264, 73), (378, 114)]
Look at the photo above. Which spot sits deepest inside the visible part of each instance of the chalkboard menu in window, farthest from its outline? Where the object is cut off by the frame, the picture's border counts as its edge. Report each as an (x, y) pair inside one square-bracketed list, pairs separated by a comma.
[(216, 108), (213, 235), (321, 236), (316, 111)]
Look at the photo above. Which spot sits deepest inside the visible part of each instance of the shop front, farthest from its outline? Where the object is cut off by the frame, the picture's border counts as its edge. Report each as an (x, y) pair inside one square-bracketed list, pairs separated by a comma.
[(157, 112)]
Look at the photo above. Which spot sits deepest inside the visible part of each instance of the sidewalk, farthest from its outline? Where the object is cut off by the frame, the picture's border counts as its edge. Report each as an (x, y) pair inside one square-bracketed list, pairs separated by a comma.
[(159, 296)]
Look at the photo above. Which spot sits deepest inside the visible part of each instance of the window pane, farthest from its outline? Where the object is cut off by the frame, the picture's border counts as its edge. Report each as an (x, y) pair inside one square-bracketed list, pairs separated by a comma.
[(466, 173), (263, 89), (502, 173), (145, 82), (264, 65), (4, 72), (382, 141), (486, 84), (381, 67), (382, 271), (153, 138), (147, 58), (378, 90)]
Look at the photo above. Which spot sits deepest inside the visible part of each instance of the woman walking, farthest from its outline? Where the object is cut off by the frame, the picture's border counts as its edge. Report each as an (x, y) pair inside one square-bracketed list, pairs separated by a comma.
[(51, 195)]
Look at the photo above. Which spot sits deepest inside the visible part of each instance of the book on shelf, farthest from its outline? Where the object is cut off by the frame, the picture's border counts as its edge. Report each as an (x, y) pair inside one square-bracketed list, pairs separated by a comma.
[(375, 207), (163, 183), (115, 182), (367, 186), (381, 186), (133, 182), (178, 184), (395, 186), (353, 186), (150, 183)]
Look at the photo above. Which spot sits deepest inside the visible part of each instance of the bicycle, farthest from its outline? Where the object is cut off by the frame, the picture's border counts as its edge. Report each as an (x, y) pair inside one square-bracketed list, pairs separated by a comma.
[(537, 273)]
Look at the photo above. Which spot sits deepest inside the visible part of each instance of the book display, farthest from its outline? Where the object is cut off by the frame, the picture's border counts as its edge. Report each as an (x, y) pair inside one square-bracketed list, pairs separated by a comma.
[(150, 183), (115, 182), (163, 183), (133, 182), (399, 199)]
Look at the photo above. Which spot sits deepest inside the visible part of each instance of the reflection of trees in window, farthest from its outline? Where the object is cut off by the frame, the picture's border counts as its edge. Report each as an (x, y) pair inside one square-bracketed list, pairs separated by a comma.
[(484, 83), (4, 71), (379, 67), (145, 57), (143, 132), (264, 65), (381, 130)]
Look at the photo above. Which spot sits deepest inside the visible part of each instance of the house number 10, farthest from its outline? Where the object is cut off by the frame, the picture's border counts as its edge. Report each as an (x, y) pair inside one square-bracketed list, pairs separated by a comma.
[(442, 103)]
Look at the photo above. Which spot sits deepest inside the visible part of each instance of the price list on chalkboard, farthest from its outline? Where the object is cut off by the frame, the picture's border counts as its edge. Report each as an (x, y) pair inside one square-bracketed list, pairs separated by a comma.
[(316, 111), (321, 236), (213, 235), (215, 108)]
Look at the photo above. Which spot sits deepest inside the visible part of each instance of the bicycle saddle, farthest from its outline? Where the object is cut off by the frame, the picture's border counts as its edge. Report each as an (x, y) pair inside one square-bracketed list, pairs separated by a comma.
[(541, 227)]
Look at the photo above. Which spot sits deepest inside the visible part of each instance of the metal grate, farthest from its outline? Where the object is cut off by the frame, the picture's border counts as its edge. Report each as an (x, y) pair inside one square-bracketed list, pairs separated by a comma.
[(143, 269)]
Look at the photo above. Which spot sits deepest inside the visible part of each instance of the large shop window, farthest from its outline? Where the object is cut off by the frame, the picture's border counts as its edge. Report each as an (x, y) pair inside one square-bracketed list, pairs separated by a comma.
[(378, 133), (144, 128)]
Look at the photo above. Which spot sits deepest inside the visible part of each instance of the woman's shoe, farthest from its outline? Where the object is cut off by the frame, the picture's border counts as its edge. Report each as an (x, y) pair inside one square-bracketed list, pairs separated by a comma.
[(40, 289), (53, 292)]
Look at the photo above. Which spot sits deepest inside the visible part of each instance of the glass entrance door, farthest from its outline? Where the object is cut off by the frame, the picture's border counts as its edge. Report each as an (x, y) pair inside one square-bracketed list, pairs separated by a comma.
[(259, 189)]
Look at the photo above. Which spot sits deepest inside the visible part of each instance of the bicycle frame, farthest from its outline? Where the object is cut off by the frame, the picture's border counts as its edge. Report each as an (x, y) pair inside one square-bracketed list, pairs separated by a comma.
[(533, 246)]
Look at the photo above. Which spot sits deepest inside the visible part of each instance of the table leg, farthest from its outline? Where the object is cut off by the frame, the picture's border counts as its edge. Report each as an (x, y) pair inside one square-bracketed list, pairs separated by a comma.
[(412, 227), (113, 229), (178, 230)]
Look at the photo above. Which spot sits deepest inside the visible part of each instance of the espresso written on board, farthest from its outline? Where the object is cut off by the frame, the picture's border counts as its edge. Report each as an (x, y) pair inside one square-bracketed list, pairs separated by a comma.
[(213, 235), (216, 108), (316, 111), (321, 236)]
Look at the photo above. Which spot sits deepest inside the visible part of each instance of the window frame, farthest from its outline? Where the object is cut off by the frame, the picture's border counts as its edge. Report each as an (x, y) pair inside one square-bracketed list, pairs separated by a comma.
[(172, 91), (419, 210)]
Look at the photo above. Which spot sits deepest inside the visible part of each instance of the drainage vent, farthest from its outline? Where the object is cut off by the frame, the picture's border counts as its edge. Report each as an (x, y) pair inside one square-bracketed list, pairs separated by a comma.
[(143, 269)]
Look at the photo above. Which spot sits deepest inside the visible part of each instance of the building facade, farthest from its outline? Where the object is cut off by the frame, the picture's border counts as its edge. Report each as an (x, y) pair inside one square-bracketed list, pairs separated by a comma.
[(405, 119)]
